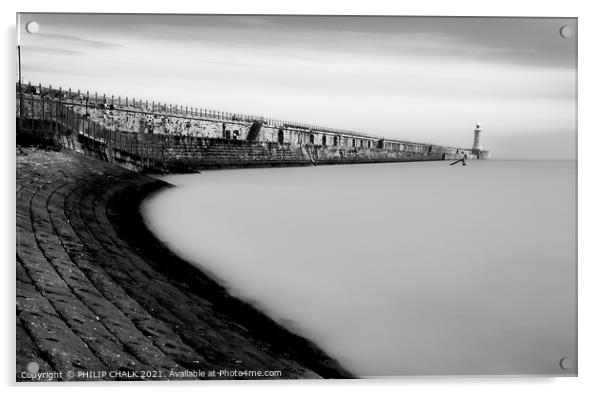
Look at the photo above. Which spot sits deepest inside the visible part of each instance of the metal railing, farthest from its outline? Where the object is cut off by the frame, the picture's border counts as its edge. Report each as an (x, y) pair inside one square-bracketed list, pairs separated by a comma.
[(95, 100), (57, 117)]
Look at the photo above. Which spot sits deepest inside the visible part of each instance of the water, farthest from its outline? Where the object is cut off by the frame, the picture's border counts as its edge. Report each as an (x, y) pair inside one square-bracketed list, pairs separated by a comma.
[(394, 269)]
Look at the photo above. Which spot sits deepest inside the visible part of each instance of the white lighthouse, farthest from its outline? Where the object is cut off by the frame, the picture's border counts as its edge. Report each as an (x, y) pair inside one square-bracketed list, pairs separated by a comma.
[(477, 145)]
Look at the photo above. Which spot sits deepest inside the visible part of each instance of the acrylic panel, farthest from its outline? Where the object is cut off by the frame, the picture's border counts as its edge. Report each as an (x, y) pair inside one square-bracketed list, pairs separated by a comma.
[(285, 196)]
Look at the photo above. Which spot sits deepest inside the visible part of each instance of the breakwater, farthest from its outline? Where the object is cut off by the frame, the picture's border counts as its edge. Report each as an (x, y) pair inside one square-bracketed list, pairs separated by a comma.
[(159, 138)]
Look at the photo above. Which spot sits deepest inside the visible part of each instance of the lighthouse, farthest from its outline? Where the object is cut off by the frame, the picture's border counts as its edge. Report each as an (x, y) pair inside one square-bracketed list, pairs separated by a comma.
[(477, 145)]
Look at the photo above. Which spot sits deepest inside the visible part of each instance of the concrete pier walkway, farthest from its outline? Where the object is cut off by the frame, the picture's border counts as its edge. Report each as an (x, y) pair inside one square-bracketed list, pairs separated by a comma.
[(96, 292)]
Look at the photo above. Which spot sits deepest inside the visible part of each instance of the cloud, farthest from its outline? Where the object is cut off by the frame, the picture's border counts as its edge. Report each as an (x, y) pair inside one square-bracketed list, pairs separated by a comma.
[(497, 40), (50, 50), (92, 43)]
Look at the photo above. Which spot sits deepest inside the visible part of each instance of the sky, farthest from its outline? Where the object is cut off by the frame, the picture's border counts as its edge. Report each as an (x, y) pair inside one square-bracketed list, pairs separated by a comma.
[(423, 79)]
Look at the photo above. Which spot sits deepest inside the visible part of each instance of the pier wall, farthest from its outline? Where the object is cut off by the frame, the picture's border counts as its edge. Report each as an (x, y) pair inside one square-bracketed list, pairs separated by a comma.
[(187, 142)]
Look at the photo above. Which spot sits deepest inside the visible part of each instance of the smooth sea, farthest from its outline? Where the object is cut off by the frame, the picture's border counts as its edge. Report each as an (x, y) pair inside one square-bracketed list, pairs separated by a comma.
[(394, 269)]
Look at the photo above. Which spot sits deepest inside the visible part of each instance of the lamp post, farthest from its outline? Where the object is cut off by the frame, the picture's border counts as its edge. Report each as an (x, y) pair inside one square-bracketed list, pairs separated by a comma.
[(19, 66), (20, 89)]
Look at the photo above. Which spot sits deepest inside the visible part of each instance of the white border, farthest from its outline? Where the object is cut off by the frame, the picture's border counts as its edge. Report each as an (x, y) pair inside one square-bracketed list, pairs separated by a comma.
[(589, 190)]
